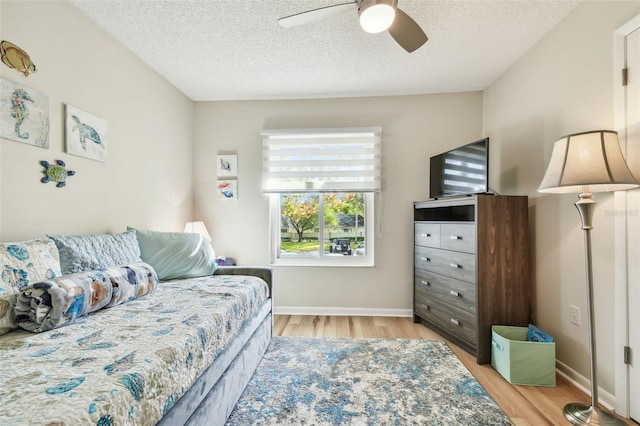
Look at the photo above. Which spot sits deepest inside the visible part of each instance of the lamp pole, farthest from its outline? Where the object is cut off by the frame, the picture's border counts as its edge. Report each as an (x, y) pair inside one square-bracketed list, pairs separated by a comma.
[(577, 413)]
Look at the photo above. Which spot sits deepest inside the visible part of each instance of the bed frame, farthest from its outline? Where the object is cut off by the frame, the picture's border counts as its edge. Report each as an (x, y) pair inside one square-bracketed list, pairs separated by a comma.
[(215, 393)]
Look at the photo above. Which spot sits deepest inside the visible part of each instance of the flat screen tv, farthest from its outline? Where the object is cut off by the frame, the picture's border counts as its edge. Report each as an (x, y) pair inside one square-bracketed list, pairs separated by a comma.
[(461, 171)]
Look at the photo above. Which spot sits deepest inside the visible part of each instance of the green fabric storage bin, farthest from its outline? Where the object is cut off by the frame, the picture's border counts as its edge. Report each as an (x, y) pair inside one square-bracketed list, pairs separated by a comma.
[(521, 362)]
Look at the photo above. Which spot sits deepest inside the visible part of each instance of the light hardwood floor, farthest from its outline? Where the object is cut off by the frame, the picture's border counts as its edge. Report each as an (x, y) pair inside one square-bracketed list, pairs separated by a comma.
[(525, 405)]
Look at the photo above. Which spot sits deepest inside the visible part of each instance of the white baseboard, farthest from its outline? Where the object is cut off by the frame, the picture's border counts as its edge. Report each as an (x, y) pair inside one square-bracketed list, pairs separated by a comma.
[(584, 384), (355, 312)]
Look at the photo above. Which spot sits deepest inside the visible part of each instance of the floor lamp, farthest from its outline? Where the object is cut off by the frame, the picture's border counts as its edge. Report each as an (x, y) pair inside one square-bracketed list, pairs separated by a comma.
[(584, 163)]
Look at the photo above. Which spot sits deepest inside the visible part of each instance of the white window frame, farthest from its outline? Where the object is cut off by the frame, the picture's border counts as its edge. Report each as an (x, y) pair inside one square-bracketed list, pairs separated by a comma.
[(367, 260)]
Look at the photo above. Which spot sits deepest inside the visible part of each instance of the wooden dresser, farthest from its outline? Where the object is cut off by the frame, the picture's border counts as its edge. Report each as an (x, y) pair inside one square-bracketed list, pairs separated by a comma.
[(471, 267)]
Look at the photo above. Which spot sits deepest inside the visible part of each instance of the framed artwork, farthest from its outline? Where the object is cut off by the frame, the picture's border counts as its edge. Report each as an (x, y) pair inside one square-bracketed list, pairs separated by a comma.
[(227, 189), (85, 134), (24, 114), (227, 165)]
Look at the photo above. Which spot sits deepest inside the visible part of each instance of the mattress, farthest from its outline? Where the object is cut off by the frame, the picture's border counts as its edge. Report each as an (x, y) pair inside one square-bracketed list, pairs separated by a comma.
[(126, 365)]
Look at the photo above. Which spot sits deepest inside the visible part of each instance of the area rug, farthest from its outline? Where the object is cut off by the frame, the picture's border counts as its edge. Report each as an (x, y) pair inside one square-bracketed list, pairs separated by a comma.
[(336, 381)]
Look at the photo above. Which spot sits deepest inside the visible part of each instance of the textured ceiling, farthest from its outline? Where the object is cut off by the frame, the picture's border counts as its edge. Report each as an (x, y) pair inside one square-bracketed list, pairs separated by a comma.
[(235, 49)]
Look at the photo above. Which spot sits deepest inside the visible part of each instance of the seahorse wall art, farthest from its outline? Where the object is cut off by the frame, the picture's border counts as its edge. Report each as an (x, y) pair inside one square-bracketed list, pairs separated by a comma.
[(24, 114), (16, 58), (20, 110)]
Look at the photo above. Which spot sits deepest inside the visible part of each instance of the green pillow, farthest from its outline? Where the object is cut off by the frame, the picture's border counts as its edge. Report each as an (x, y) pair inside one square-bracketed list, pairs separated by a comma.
[(176, 254)]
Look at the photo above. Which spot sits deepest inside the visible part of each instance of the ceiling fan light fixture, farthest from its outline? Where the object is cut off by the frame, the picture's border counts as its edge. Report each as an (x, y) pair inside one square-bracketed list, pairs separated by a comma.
[(377, 16)]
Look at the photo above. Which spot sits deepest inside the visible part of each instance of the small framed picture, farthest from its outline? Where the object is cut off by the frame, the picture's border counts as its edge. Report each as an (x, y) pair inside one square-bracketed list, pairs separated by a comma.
[(85, 134), (227, 165), (24, 114), (227, 189)]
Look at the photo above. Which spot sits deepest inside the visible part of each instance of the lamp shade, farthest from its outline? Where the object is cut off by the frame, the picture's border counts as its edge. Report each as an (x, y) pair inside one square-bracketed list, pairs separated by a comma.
[(377, 15), (593, 159), (197, 228)]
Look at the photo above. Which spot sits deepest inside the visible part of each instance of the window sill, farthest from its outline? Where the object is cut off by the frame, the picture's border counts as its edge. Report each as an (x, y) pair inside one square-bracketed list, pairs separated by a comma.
[(347, 263)]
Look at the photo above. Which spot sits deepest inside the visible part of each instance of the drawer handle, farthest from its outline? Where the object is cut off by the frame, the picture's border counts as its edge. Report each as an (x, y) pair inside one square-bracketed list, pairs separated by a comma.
[(427, 283), (455, 321), (426, 307), (455, 266), (455, 237), (425, 259), (425, 235), (454, 293)]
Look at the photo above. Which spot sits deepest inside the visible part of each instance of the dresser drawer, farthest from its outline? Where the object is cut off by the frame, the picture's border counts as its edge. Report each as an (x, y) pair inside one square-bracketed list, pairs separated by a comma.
[(461, 323), (461, 266), (460, 294), (459, 237), (427, 234)]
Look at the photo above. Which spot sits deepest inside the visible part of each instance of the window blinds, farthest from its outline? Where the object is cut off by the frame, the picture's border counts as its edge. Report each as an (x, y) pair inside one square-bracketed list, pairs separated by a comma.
[(321, 160)]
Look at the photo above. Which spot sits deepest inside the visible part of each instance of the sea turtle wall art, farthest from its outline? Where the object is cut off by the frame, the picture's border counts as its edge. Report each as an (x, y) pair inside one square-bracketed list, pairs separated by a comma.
[(85, 134), (24, 114), (56, 173)]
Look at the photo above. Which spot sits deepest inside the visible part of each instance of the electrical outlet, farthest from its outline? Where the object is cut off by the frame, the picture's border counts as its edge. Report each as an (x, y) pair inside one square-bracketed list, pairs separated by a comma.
[(574, 314)]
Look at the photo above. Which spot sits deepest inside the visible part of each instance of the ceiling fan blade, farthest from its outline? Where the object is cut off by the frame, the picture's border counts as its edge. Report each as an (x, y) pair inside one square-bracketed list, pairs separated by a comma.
[(314, 15), (406, 32)]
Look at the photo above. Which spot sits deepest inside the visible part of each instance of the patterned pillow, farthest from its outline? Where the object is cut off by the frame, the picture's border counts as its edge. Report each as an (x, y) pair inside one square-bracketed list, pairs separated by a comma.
[(80, 253), (21, 264)]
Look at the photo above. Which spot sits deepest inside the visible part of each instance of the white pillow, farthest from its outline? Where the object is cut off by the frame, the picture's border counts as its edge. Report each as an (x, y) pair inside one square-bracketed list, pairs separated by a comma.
[(176, 254)]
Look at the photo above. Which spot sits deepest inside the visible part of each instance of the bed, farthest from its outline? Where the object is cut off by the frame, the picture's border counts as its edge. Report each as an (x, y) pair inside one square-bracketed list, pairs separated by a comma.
[(181, 354)]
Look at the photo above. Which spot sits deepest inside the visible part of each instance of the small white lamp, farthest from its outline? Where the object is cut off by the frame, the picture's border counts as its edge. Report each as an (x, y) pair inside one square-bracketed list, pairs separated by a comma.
[(584, 163), (197, 228)]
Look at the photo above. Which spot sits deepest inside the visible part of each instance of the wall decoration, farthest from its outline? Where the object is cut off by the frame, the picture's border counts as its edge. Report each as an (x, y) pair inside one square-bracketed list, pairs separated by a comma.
[(85, 134), (24, 114), (16, 58), (228, 189), (56, 173), (227, 165)]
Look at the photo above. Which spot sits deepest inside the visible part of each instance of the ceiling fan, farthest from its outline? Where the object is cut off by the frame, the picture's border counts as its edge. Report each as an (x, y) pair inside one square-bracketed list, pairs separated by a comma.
[(375, 16)]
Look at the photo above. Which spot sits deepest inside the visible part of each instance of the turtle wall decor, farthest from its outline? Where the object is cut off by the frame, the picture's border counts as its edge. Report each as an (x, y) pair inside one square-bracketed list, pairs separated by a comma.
[(56, 173)]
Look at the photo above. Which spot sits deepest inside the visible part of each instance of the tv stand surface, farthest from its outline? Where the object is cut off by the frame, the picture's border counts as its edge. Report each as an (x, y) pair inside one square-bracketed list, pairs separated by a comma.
[(447, 197)]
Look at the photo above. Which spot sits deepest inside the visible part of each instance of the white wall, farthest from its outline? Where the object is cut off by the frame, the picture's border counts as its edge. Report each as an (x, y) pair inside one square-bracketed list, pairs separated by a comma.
[(562, 85), (146, 181), (414, 128)]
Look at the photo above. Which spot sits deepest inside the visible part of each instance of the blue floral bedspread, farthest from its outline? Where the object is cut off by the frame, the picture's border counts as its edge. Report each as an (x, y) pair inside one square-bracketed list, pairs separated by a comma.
[(125, 365)]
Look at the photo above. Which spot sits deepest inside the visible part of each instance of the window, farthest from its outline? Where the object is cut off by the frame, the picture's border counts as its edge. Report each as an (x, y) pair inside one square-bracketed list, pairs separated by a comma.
[(322, 185), (323, 229)]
